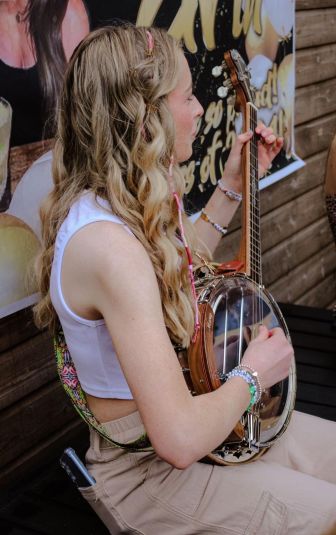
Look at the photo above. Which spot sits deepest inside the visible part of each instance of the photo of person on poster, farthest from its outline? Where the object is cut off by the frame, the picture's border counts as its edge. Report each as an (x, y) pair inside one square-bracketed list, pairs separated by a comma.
[(37, 40)]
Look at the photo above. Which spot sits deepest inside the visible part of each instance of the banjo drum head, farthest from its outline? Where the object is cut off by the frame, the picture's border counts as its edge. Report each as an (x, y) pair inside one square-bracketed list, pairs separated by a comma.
[(237, 306)]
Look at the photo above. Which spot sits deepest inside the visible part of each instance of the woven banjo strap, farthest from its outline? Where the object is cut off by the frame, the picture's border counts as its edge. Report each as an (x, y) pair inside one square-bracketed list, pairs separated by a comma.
[(71, 384)]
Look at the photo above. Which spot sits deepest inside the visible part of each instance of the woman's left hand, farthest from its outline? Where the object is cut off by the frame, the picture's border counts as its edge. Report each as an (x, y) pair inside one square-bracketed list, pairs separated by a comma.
[(268, 147)]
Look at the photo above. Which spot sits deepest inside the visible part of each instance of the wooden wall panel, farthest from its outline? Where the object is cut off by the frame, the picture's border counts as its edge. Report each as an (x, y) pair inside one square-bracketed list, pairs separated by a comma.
[(53, 444), (314, 4), (291, 218), (293, 186), (315, 136), (321, 292), (315, 28), (321, 100), (24, 425), (25, 368), (299, 281), (16, 328), (275, 196), (315, 64), (296, 250)]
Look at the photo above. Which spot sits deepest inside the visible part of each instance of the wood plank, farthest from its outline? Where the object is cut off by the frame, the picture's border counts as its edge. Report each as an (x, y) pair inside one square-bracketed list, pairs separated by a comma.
[(309, 356), (323, 293), (314, 101), (10, 528), (315, 28), (314, 4), (49, 503), (294, 285), (315, 64), (30, 422), (26, 368), (290, 218), (34, 459), (275, 196), (317, 376), (317, 329), (296, 184), (315, 136), (319, 344), (299, 311), (323, 395), (43, 516), (16, 328), (291, 252)]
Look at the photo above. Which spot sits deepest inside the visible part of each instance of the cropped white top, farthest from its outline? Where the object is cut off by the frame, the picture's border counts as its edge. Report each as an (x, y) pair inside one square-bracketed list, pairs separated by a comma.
[(89, 342)]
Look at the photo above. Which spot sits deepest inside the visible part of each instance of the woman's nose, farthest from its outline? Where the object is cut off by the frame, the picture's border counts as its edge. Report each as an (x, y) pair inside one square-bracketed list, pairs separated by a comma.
[(199, 108)]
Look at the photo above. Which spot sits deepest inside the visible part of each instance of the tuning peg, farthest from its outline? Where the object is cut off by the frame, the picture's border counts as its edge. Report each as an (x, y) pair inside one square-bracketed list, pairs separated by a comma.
[(217, 71), (227, 83), (222, 91)]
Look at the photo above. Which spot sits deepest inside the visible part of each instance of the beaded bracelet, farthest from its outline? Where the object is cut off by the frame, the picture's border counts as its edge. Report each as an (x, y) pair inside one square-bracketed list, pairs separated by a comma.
[(255, 394), (205, 217), (232, 195), (255, 375)]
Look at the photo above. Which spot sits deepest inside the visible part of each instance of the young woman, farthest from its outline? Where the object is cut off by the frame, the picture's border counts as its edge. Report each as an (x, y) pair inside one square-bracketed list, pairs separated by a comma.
[(114, 271)]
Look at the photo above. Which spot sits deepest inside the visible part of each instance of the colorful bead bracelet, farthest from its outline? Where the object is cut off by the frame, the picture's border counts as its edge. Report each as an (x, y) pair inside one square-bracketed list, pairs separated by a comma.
[(219, 228)]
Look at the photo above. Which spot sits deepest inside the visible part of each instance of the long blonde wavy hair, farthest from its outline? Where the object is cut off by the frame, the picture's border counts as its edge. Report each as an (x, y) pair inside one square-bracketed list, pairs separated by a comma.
[(116, 137)]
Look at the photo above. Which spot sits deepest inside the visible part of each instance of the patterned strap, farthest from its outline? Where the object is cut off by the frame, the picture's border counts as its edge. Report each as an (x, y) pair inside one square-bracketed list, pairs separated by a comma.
[(69, 379)]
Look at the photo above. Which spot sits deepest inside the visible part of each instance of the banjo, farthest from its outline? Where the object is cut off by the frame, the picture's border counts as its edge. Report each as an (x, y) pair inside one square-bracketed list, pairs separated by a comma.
[(233, 302)]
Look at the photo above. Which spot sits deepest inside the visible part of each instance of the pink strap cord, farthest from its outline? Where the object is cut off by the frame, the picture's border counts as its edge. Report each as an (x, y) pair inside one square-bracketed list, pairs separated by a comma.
[(187, 248)]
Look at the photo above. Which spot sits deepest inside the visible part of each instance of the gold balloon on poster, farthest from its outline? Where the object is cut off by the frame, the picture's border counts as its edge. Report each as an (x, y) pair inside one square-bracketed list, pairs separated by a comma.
[(286, 88), (265, 44), (280, 13), (18, 248)]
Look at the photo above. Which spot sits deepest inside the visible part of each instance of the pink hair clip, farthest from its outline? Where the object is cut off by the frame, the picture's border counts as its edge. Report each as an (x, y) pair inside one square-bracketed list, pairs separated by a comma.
[(150, 41)]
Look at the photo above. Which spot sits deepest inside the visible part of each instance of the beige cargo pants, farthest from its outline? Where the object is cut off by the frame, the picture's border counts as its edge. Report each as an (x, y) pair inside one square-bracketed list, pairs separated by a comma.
[(291, 490)]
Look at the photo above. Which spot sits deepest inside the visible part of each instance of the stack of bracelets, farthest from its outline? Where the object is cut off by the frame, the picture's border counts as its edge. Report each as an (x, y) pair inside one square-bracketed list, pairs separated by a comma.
[(250, 376), (230, 194)]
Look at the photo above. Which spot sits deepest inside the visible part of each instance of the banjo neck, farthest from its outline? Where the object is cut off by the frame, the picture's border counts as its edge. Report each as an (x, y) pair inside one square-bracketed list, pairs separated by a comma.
[(238, 78), (250, 248)]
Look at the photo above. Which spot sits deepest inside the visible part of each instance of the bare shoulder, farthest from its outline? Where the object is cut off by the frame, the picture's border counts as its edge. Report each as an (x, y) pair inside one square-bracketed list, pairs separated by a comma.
[(105, 244), (75, 26), (103, 264)]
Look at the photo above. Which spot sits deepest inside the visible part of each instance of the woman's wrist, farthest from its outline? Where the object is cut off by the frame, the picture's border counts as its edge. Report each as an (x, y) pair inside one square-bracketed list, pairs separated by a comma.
[(230, 193), (234, 184), (251, 378)]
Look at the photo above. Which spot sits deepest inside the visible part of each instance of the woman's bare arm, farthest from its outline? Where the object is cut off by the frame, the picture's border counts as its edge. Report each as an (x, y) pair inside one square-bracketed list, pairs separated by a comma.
[(221, 209)]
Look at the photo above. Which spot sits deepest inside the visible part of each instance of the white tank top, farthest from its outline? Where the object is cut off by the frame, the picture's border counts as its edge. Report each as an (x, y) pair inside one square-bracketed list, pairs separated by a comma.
[(89, 342)]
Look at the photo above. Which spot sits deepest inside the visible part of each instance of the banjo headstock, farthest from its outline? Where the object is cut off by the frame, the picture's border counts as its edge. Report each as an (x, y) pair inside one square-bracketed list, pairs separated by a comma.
[(236, 78)]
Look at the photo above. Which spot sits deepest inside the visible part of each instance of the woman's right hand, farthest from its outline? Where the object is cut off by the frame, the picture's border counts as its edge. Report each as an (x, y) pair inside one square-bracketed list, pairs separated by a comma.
[(270, 354)]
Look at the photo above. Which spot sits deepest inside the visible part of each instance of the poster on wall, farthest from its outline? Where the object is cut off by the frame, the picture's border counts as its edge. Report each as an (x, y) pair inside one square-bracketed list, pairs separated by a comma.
[(37, 39)]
